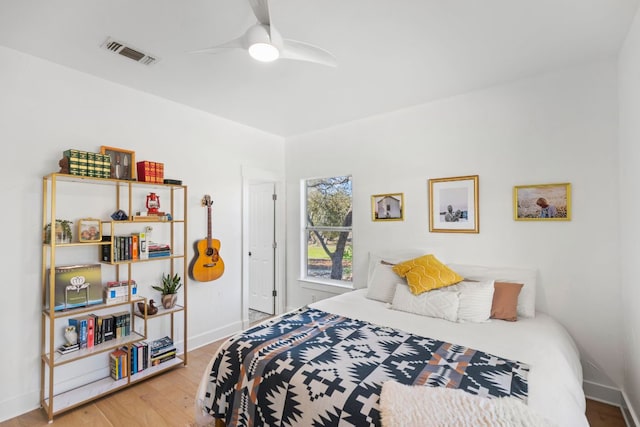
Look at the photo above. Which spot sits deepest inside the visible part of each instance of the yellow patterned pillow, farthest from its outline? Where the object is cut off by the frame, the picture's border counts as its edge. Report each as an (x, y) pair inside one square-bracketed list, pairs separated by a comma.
[(426, 273)]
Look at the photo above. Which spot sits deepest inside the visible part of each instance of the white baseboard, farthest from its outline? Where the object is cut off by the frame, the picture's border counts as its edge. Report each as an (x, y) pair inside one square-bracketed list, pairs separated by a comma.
[(630, 416), (214, 335), (18, 405), (602, 393), (612, 396)]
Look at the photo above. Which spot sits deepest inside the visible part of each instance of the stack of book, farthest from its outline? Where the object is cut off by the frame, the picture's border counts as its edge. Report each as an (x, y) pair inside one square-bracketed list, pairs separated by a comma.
[(118, 363), (118, 291), (68, 348), (161, 351), (159, 250), (125, 247), (93, 329), (139, 357)]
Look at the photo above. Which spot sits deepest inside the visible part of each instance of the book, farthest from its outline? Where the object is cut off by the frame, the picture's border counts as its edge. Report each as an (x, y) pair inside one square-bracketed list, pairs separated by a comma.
[(159, 360), (107, 326), (80, 323), (158, 345), (118, 364), (134, 246), (106, 251), (142, 243), (76, 286), (66, 348), (159, 254), (90, 331)]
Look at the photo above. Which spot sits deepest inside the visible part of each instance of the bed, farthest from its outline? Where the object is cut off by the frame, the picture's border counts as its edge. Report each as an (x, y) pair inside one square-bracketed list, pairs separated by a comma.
[(535, 358)]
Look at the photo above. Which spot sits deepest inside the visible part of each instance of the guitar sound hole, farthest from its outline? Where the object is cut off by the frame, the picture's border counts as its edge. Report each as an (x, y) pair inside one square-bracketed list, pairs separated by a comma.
[(213, 253)]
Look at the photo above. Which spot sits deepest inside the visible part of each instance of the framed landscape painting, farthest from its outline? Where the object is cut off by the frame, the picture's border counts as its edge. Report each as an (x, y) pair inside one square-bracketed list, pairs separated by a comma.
[(542, 202), (453, 205)]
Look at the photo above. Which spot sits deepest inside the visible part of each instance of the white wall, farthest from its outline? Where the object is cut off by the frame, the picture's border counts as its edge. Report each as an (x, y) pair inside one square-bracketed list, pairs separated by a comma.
[(629, 90), (45, 109), (558, 127)]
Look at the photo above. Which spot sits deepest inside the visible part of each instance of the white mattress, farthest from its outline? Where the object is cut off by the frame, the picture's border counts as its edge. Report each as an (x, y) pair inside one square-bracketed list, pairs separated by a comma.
[(555, 379)]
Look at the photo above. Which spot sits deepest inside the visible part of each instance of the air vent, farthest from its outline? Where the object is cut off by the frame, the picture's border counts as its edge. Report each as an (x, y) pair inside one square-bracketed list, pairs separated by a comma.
[(129, 52)]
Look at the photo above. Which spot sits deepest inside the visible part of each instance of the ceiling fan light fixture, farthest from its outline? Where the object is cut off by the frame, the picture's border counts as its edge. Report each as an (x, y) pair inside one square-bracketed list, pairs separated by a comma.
[(264, 52)]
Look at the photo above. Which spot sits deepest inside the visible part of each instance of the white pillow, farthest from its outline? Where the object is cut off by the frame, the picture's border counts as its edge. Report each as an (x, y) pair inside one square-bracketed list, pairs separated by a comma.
[(526, 276), (438, 303), (383, 283), (476, 299)]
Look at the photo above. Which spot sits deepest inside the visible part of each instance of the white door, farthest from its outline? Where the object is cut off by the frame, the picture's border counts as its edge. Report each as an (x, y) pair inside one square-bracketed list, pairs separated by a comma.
[(262, 247)]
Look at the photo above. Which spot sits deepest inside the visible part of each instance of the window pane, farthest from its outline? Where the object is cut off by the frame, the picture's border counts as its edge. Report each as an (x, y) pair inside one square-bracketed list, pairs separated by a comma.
[(334, 265), (329, 201)]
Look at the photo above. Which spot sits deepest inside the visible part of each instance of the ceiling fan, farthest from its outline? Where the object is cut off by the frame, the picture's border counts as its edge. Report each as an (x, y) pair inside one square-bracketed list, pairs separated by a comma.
[(265, 43)]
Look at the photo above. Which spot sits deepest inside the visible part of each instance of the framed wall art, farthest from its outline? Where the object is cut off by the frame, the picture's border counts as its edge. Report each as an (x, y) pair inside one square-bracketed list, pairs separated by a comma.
[(453, 205), (89, 230), (387, 207), (123, 162), (542, 202)]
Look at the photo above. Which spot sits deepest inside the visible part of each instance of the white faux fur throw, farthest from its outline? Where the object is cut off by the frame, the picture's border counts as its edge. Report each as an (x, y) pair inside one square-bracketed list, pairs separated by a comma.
[(423, 406)]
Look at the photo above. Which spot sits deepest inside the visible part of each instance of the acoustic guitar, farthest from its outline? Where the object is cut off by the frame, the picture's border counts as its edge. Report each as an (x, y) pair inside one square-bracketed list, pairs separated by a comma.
[(207, 265)]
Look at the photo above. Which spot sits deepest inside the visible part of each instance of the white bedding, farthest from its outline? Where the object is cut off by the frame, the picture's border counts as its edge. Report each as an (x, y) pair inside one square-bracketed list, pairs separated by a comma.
[(555, 379)]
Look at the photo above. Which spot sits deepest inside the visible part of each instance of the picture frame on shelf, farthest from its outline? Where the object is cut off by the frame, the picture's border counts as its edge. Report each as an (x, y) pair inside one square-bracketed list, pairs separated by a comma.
[(387, 207), (542, 202), (89, 230), (123, 162), (453, 205)]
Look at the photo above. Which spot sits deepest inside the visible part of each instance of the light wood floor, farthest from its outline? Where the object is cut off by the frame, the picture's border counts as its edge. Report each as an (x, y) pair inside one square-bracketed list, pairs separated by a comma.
[(167, 400)]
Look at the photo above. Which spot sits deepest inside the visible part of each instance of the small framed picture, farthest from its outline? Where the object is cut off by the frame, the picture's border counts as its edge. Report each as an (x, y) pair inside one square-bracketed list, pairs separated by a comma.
[(123, 162), (387, 207), (89, 230), (542, 202), (453, 205)]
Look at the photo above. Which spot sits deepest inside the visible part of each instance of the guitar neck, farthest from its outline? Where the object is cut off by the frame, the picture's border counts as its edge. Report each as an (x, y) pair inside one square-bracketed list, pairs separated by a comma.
[(209, 227)]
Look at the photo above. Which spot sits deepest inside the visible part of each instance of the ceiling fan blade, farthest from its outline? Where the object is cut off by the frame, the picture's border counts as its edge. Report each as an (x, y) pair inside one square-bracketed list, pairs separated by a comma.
[(292, 49), (238, 43), (261, 11)]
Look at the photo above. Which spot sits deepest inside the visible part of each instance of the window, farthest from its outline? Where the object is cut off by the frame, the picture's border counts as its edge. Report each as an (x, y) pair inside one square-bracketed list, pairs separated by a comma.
[(327, 239)]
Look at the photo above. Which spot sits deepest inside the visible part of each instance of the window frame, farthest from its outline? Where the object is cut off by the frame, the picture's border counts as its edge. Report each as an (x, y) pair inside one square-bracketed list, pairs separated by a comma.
[(310, 281)]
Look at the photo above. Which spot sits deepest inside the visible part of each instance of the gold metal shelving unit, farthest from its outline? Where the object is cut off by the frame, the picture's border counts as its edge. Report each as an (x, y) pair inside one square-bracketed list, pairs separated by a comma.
[(55, 403)]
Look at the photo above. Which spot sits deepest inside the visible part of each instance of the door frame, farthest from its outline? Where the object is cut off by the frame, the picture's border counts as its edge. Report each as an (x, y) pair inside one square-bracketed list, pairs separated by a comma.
[(259, 176)]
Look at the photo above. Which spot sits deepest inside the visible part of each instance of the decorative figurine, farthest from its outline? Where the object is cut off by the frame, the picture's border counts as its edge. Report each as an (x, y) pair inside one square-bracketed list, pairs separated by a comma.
[(71, 335), (153, 203), (151, 309)]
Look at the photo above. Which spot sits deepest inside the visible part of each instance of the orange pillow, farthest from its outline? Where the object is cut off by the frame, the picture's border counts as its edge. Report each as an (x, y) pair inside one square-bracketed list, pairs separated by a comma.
[(505, 301)]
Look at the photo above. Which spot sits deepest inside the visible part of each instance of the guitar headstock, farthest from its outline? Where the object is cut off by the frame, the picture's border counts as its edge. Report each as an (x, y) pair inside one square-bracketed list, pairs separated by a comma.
[(206, 200)]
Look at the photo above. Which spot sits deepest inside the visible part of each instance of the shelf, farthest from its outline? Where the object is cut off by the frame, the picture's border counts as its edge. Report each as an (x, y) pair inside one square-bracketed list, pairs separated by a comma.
[(124, 197), (57, 245), (107, 181), (78, 396), (87, 309), (161, 311), (61, 359), (139, 221), (135, 261)]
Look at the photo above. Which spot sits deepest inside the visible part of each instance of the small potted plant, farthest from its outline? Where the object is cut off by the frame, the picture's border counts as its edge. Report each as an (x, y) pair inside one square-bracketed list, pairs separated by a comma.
[(169, 289)]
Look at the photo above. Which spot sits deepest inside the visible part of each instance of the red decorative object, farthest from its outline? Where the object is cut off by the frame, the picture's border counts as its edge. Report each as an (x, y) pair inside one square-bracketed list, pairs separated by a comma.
[(153, 203)]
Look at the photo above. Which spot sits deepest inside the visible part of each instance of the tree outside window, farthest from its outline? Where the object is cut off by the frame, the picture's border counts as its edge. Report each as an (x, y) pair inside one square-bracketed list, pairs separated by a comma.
[(328, 212)]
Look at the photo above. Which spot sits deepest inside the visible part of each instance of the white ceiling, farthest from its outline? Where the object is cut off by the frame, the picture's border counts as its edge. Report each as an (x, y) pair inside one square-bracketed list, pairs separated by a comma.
[(391, 53)]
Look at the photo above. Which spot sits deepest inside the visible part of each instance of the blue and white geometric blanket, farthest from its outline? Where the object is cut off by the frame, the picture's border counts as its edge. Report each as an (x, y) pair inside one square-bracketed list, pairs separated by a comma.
[(312, 368)]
